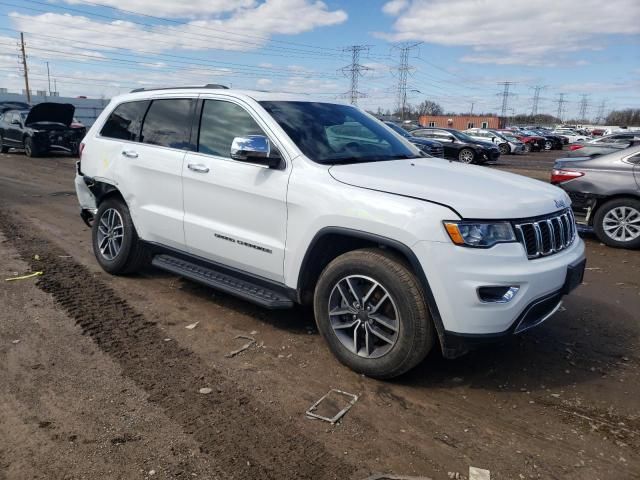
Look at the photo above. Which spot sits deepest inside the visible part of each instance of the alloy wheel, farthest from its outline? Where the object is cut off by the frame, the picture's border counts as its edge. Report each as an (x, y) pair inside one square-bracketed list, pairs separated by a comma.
[(364, 316), (466, 156), (548, 145), (622, 224), (110, 234)]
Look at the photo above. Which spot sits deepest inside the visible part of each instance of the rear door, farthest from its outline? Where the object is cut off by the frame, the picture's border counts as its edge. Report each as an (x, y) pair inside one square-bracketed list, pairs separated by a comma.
[(13, 134), (147, 159), (235, 212)]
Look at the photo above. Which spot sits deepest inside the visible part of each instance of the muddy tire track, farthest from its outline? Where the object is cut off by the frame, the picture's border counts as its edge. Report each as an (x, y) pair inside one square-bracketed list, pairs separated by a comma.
[(242, 437)]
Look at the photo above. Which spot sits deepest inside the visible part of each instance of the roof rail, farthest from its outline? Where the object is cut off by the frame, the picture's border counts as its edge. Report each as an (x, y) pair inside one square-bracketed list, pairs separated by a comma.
[(208, 85)]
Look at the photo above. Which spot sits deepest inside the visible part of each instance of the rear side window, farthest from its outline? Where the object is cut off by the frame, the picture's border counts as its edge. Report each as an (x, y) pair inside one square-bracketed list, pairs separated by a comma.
[(220, 123), (168, 123), (125, 121)]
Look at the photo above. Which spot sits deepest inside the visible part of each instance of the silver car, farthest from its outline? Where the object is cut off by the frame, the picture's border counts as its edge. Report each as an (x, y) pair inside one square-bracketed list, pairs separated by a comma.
[(506, 145)]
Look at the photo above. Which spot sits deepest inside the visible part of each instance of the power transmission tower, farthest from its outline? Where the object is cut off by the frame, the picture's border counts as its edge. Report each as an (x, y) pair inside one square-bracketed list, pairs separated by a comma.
[(403, 74), (355, 71), (24, 67), (561, 101), (536, 99), (505, 97), (600, 115), (584, 103)]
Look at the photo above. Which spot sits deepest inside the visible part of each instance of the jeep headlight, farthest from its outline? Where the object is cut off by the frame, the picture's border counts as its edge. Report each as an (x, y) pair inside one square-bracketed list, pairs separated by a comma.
[(479, 234)]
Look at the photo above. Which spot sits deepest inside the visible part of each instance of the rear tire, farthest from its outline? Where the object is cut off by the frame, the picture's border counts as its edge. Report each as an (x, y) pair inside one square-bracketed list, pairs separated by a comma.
[(617, 223), (116, 244), (402, 319), (466, 155)]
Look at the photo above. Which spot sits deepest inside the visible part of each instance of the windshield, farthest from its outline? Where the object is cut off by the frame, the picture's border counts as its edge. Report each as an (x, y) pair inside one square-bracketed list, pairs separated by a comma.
[(462, 136), (397, 129), (331, 133)]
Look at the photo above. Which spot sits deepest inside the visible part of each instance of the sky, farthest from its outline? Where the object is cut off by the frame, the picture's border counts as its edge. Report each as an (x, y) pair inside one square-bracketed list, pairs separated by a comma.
[(462, 50)]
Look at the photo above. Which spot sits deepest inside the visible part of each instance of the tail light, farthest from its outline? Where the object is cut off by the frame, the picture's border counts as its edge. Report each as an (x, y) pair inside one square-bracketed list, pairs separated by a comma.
[(559, 175), (575, 147), (80, 150)]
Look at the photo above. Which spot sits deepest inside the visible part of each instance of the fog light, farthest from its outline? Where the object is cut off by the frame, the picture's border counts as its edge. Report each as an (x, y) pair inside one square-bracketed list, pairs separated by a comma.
[(497, 294)]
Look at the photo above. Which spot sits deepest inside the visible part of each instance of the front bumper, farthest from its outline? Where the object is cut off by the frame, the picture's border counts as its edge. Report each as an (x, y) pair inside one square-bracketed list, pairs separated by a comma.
[(456, 273)]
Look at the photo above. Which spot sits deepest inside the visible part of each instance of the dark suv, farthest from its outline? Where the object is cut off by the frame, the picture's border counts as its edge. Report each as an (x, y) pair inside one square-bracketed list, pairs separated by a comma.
[(605, 194), (460, 146)]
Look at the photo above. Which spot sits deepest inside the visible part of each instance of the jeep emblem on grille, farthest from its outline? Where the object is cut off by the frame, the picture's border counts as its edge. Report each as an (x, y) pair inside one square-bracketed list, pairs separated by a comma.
[(560, 204)]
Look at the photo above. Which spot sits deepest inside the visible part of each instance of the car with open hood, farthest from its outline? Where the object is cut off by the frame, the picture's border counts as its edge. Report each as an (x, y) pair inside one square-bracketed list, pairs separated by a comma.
[(44, 128), (283, 199)]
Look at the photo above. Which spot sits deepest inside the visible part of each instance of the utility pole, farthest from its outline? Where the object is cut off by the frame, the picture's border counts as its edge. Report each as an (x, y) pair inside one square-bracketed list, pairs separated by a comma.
[(536, 99), (584, 103), (505, 97), (403, 74), (600, 115), (561, 101), (24, 67), (48, 79), (355, 71)]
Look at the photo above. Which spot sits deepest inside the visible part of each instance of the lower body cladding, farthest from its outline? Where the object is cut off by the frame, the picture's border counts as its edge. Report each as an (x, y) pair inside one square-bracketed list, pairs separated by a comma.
[(489, 294)]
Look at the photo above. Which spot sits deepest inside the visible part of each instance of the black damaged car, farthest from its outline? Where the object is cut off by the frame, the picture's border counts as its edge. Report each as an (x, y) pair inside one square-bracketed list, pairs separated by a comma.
[(459, 146), (46, 127)]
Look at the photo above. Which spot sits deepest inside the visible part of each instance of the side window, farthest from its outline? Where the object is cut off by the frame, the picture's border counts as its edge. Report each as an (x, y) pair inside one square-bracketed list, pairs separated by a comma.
[(635, 159), (125, 121), (220, 123), (168, 123), (423, 133)]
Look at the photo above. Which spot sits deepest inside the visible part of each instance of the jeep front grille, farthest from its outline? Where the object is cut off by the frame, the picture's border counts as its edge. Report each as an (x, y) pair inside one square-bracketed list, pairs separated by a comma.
[(546, 235)]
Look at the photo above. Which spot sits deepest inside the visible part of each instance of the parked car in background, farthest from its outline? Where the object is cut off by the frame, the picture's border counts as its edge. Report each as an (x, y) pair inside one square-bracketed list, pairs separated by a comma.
[(44, 128), (605, 194), (5, 106), (600, 148), (430, 147), (504, 145), (532, 143), (616, 138), (552, 142), (460, 146), (571, 135)]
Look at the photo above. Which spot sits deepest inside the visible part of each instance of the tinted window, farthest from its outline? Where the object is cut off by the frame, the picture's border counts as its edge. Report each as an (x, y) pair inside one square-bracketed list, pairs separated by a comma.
[(168, 123), (220, 123), (124, 122), (332, 133)]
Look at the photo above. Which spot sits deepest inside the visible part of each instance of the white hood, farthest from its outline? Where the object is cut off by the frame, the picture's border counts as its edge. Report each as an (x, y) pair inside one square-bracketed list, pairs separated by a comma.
[(474, 192)]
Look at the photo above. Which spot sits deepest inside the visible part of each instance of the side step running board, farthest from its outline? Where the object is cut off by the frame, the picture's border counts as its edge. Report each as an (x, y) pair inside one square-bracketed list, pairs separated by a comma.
[(233, 285)]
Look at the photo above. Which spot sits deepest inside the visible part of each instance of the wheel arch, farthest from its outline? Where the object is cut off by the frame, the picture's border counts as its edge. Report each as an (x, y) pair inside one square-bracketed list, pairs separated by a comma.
[(331, 242), (600, 201)]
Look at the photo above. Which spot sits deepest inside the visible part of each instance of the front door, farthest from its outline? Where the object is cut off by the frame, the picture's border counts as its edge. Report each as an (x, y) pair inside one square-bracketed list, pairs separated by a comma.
[(235, 213)]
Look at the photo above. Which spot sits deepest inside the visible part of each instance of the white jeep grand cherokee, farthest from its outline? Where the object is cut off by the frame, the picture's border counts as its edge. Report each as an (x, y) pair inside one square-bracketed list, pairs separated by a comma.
[(281, 200)]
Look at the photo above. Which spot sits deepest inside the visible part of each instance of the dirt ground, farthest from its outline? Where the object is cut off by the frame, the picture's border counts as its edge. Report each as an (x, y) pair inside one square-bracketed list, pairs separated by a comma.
[(100, 378)]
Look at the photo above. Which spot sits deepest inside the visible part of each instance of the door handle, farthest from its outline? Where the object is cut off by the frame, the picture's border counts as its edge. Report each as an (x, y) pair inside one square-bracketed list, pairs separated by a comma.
[(130, 153), (198, 167)]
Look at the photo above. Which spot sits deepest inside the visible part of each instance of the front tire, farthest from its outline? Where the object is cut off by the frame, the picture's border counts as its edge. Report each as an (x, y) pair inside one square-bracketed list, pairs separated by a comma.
[(617, 223), (548, 145), (370, 309), (116, 244), (466, 155), (29, 147), (3, 147), (527, 148), (505, 149)]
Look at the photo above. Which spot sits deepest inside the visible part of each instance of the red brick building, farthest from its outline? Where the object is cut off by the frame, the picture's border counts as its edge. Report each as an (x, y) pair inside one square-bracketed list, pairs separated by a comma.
[(461, 122)]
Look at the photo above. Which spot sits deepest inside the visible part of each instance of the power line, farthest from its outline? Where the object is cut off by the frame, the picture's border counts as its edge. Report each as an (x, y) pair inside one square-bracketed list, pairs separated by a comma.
[(403, 73), (561, 101), (505, 97), (536, 99), (354, 71), (584, 104)]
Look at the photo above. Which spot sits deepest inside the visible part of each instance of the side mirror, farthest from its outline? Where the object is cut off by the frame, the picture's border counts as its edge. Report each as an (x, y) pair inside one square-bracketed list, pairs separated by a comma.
[(15, 122), (255, 149)]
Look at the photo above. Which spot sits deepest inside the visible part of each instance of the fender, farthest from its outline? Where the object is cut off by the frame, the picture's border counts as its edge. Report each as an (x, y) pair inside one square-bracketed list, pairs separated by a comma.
[(451, 351)]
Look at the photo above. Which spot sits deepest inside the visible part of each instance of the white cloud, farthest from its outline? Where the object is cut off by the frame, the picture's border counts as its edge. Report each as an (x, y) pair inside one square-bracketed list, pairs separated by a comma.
[(174, 8), (526, 32), (394, 7), (264, 82)]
